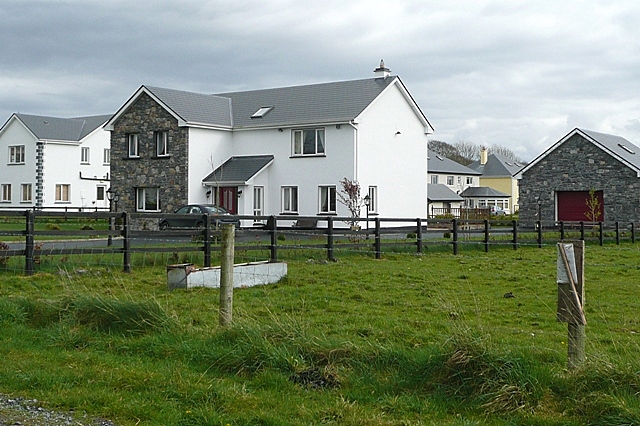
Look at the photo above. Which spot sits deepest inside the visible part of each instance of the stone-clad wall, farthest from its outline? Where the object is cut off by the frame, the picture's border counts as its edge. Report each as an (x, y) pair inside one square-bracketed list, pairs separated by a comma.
[(579, 165), (169, 174)]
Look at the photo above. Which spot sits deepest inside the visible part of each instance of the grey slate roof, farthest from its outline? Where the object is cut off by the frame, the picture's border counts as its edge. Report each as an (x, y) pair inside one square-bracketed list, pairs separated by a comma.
[(483, 191), (440, 192), (238, 169), (315, 103), (611, 144), (196, 107), (497, 166), (436, 163), (62, 129)]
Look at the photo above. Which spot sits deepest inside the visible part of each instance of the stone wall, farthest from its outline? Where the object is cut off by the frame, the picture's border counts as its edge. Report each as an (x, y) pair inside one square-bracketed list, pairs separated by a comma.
[(169, 174), (579, 165)]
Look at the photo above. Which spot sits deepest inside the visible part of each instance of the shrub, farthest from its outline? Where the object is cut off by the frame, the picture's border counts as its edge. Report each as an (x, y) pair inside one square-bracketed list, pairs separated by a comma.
[(52, 227), (4, 259)]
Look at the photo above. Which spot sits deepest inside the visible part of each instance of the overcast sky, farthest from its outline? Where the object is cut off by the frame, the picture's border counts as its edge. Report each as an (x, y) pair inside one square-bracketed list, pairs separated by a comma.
[(519, 74)]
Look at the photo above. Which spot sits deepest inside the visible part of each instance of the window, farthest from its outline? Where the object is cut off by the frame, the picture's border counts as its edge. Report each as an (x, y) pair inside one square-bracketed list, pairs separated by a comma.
[(449, 180), (162, 143), (62, 193), (84, 155), (106, 156), (261, 112), (25, 193), (100, 192), (469, 180), (308, 142), (327, 199), (258, 200), (373, 199), (434, 178), (6, 193), (16, 154), (148, 199), (289, 199), (134, 145)]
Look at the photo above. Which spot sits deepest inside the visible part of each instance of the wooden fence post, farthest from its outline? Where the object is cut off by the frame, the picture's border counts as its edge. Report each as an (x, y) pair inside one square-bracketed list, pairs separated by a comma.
[(330, 239), (582, 230), (126, 241), (226, 274), (486, 235), (29, 243), (514, 225), (207, 241), (561, 230), (419, 234), (633, 233), (274, 239), (617, 233), (601, 234), (539, 233), (454, 235), (377, 238), (571, 299)]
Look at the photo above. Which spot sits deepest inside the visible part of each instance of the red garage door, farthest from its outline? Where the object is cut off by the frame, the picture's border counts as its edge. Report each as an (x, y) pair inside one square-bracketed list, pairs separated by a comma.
[(572, 205)]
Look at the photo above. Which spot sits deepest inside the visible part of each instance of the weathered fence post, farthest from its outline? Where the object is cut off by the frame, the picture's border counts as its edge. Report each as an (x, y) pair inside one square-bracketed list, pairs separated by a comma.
[(571, 299), (29, 243), (582, 230), (274, 238), (514, 225), (226, 274), (377, 238), (617, 233), (126, 241), (330, 239), (419, 234), (454, 235), (601, 234), (539, 234), (561, 230), (486, 235), (207, 241), (633, 233)]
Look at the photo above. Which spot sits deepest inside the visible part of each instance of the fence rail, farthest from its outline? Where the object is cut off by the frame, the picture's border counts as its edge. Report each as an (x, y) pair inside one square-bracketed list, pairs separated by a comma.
[(329, 233)]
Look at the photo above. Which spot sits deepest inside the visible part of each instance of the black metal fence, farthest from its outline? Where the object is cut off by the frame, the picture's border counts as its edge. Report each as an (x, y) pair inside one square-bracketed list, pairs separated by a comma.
[(123, 231)]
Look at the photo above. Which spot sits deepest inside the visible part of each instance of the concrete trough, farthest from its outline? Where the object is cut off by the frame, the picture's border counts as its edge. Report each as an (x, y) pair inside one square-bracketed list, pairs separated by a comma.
[(185, 275)]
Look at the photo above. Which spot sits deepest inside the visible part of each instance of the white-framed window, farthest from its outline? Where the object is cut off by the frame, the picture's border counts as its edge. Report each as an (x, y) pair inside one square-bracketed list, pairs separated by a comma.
[(84, 155), (147, 199), (327, 199), (258, 200), (6, 193), (162, 143), (16, 154), (133, 142), (434, 178), (289, 199), (307, 142), (469, 180), (63, 190), (449, 180), (100, 193), (106, 156), (373, 199), (26, 189)]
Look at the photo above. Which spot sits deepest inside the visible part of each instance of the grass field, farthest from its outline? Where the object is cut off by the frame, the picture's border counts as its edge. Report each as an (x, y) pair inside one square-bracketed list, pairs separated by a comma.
[(405, 340)]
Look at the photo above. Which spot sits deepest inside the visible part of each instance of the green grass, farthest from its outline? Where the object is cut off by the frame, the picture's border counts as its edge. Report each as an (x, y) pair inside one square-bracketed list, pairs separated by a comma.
[(405, 340)]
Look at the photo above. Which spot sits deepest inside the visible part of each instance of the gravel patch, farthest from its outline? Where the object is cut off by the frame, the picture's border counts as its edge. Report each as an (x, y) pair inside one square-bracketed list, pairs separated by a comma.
[(28, 412)]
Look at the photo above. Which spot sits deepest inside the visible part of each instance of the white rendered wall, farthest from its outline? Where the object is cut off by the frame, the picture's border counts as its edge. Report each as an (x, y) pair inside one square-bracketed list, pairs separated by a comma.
[(208, 149), (395, 163), (15, 134)]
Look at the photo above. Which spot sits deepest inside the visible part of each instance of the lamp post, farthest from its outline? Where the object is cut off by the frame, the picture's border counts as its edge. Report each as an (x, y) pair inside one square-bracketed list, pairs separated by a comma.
[(113, 197), (367, 204)]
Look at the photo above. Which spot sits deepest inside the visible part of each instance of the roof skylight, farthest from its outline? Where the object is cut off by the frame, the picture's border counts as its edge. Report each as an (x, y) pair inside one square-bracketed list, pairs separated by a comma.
[(262, 112), (626, 148)]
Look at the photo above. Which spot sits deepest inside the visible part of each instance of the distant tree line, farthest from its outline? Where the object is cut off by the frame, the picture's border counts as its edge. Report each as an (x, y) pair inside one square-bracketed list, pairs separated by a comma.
[(465, 153)]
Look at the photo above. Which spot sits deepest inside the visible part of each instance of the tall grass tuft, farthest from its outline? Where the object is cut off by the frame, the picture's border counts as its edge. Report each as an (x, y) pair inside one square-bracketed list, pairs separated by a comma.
[(116, 316)]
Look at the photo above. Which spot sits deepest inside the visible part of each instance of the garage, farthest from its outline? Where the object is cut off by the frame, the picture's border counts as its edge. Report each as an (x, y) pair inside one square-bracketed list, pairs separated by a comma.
[(573, 205)]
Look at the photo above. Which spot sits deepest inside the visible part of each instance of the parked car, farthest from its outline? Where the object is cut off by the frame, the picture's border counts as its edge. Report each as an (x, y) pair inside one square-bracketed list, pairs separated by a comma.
[(499, 211), (197, 221)]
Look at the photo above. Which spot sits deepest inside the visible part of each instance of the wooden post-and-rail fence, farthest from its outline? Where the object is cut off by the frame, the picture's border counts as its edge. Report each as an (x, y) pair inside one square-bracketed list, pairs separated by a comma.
[(372, 234)]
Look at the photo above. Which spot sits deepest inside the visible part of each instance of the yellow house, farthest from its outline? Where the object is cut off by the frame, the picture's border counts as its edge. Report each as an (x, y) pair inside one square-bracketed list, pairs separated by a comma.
[(498, 172)]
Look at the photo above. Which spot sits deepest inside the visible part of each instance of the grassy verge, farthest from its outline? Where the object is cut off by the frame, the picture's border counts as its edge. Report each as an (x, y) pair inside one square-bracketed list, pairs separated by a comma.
[(403, 340)]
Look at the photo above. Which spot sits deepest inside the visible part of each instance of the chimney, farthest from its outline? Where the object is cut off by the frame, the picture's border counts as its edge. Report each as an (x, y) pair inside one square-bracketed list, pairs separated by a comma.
[(484, 156), (382, 71)]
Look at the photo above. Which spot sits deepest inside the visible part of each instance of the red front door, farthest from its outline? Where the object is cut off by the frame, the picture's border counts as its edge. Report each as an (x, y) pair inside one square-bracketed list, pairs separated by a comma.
[(229, 199)]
